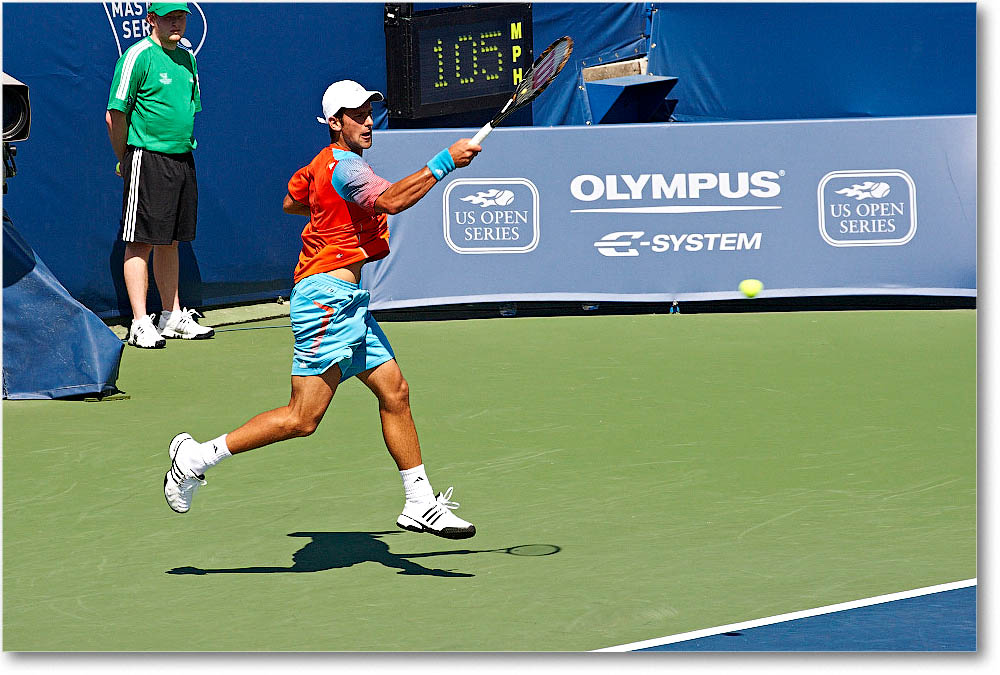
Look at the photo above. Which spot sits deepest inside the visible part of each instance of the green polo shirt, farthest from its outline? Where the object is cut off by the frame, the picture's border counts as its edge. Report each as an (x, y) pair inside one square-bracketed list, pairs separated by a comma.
[(158, 90)]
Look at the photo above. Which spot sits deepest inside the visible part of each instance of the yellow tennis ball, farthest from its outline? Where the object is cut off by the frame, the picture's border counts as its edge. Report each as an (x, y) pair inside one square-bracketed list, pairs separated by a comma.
[(751, 287)]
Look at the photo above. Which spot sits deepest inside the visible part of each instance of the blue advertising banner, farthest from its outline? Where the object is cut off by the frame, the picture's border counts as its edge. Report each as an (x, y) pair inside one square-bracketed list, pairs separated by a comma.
[(672, 211)]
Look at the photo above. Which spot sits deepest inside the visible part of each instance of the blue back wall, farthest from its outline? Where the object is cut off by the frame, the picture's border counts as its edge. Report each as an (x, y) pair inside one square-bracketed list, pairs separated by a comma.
[(264, 67), (766, 61)]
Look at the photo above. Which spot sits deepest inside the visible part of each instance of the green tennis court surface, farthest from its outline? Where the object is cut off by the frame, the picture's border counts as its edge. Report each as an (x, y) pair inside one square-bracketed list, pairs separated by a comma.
[(693, 471)]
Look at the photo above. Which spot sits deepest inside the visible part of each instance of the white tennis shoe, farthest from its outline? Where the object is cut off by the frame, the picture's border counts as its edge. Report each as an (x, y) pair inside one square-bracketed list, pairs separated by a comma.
[(182, 324), (436, 517), (179, 485), (142, 333)]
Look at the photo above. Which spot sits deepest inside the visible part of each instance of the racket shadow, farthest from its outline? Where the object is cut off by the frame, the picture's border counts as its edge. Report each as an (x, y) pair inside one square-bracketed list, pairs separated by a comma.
[(339, 550)]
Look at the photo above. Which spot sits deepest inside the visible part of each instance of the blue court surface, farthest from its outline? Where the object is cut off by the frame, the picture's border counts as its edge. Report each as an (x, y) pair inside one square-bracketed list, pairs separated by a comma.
[(940, 618)]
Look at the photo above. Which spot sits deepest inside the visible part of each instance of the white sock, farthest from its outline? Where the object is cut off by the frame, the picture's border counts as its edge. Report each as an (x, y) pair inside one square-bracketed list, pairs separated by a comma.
[(416, 486), (216, 451), (206, 455)]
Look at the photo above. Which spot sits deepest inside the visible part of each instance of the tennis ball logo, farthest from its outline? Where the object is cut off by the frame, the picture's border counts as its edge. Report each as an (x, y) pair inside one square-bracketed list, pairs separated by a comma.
[(492, 197), (504, 198), (866, 190), (880, 190)]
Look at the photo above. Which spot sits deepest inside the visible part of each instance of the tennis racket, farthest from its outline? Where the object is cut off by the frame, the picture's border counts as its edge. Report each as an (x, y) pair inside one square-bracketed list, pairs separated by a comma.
[(541, 73)]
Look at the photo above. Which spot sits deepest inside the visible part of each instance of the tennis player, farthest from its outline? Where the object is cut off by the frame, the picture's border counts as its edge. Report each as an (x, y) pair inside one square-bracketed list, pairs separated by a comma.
[(336, 337)]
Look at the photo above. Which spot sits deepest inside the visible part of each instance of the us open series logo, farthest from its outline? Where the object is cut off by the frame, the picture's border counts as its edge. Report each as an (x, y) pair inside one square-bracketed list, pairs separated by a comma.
[(491, 215), (867, 208)]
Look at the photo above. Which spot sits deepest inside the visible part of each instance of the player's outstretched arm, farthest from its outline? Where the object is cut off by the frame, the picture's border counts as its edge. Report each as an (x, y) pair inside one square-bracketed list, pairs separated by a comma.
[(404, 193)]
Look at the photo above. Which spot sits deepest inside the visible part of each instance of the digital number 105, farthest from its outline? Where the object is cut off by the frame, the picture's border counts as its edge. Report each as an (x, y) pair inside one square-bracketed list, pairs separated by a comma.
[(480, 56)]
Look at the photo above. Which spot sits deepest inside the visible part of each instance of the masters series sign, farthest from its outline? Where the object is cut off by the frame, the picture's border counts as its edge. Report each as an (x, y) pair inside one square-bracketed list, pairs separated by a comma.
[(128, 25)]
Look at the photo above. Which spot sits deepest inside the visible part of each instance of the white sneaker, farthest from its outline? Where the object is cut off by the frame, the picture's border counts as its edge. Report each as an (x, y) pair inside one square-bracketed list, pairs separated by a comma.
[(435, 517), (179, 486), (143, 334), (182, 324)]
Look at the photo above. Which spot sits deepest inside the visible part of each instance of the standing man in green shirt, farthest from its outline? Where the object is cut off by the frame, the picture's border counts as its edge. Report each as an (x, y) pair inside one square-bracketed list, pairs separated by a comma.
[(154, 96)]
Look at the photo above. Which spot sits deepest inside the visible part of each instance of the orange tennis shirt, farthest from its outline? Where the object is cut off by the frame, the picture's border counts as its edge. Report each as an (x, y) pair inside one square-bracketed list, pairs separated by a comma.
[(340, 189)]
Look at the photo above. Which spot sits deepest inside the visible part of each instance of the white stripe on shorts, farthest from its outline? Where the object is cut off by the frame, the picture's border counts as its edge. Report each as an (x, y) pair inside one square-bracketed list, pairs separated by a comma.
[(132, 205)]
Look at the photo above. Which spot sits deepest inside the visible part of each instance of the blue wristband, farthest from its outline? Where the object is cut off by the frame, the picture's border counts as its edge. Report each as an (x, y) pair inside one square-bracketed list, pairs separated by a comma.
[(441, 164)]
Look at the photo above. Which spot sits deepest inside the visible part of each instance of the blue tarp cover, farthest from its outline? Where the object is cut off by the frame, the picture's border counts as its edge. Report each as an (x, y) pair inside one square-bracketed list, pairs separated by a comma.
[(53, 347)]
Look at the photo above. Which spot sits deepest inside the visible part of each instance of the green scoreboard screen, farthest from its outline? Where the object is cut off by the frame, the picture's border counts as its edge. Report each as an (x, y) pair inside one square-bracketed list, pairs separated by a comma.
[(455, 59)]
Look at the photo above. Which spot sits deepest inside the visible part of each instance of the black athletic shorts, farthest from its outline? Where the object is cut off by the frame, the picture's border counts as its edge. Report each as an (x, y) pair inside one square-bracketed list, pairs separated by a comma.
[(160, 201)]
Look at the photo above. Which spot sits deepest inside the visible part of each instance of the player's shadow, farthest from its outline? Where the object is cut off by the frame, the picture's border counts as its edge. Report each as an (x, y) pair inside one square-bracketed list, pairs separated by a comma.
[(335, 550)]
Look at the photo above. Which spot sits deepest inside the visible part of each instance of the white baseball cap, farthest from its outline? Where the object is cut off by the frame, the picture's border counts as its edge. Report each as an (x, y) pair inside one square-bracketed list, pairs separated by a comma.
[(345, 94)]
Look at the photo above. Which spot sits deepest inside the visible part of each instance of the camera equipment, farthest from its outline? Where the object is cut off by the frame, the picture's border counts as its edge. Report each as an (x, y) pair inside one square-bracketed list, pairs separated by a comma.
[(16, 110), (16, 122)]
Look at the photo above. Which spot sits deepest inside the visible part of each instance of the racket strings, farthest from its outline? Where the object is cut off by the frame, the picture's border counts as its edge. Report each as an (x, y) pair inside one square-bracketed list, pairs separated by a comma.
[(548, 67), (541, 73), (545, 69)]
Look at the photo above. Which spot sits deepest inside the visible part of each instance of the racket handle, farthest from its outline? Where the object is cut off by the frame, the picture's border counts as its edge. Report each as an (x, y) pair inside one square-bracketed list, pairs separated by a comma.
[(481, 134)]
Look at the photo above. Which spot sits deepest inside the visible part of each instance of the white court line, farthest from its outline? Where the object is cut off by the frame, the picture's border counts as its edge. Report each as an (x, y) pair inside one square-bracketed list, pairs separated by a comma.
[(829, 609)]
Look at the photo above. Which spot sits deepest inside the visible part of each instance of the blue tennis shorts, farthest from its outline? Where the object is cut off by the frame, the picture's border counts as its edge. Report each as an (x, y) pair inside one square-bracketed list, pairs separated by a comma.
[(332, 326)]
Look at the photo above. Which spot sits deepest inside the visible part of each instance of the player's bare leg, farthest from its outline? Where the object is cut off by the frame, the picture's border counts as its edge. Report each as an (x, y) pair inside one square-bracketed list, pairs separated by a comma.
[(310, 398), (422, 512), (398, 430)]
